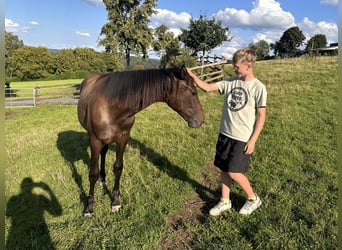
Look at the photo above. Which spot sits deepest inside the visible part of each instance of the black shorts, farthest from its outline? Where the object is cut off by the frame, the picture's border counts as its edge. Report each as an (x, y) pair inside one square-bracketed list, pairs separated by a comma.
[(230, 156)]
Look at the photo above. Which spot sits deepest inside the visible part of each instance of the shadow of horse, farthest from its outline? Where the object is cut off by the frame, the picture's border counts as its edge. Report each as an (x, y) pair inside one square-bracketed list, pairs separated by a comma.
[(175, 172), (28, 227), (73, 146)]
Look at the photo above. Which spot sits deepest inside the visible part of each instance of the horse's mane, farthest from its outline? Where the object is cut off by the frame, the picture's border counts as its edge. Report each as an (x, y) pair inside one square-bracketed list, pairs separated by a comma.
[(138, 88)]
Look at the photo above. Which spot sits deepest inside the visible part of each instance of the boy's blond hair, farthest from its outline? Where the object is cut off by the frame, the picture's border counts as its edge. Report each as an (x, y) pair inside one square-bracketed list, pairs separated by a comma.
[(245, 55)]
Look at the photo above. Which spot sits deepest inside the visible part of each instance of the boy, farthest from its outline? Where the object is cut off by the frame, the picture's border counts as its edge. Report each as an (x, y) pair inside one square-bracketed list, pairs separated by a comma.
[(243, 117)]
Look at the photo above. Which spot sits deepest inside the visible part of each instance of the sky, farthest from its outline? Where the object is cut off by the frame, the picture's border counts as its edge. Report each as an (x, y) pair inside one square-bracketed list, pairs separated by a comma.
[(58, 24)]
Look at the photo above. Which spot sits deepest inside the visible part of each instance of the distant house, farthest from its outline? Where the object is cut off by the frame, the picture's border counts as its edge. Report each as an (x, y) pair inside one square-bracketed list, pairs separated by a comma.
[(331, 50)]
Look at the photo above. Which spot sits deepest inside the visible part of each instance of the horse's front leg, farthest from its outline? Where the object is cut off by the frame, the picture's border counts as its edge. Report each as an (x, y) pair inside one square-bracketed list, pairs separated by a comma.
[(95, 148), (117, 169)]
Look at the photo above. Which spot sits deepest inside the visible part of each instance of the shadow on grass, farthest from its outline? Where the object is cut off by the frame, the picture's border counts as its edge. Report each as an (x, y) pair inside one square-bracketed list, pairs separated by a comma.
[(28, 227), (73, 146), (176, 172)]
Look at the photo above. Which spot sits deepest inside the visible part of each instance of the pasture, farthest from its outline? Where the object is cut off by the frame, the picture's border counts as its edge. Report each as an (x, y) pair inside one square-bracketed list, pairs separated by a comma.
[(169, 183)]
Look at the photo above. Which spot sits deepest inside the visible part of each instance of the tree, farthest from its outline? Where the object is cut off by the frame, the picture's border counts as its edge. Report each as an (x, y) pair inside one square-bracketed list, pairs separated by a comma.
[(204, 35), (288, 44), (31, 62), (315, 42), (64, 61), (12, 43), (166, 44), (261, 48), (127, 29)]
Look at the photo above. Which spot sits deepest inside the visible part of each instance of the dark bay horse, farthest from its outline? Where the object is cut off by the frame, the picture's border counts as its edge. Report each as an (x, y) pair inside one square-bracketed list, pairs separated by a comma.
[(107, 107)]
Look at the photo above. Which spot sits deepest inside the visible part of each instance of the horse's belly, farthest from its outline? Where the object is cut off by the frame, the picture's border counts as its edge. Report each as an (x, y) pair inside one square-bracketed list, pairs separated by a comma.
[(110, 130)]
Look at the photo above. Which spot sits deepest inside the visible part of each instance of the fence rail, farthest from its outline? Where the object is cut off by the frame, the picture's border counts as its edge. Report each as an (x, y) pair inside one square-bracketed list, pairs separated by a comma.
[(69, 93), (61, 93), (210, 70), (32, 97), (20, 97)]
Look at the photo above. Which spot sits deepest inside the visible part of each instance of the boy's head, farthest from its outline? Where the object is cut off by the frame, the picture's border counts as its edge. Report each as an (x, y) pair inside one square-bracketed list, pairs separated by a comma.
[(245, 55)]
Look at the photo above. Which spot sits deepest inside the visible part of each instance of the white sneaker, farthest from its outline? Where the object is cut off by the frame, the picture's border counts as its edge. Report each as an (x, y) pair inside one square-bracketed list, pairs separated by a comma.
[(220, 207), (250, 206)]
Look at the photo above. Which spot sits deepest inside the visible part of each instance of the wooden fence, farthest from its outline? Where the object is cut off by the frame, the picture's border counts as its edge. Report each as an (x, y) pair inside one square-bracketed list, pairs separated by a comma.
[(210, 68), (20, 97), (61, 93)]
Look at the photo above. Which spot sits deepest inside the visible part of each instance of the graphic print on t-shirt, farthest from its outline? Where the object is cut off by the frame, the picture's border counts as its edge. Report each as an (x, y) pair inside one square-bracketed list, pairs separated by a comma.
[(237, 99)]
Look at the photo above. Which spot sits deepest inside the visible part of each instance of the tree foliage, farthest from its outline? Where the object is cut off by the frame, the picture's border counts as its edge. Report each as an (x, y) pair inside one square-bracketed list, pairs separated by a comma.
[(127, 29), (261, 49), (167, 45), (12, 43), (289, 42), (29, 63), (315, 42), (204, 35)]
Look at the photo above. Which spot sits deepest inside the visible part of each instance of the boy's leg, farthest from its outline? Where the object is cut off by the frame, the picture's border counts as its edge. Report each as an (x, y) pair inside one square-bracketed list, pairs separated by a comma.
[(243, 182), (226, 181), (224, 204), (253, 201)]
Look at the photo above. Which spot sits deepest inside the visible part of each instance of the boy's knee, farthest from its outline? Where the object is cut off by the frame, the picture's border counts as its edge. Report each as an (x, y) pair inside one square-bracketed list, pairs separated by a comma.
[(235, 176)]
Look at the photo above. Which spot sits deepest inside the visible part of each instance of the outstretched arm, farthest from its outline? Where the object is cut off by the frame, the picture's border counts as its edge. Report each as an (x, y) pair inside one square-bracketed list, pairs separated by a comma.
[(202, 84)]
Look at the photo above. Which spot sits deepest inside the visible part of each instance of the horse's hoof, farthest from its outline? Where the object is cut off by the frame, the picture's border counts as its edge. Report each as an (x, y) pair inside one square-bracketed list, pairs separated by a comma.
[(103, 183), (116, 208), (87, 214)]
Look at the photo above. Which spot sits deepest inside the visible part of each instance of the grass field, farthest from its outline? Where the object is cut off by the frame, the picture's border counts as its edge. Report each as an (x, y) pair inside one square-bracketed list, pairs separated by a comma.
[(169, 183)]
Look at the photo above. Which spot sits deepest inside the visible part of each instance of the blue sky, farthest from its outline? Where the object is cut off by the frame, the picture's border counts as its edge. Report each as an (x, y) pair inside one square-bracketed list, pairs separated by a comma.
[(58, 24)]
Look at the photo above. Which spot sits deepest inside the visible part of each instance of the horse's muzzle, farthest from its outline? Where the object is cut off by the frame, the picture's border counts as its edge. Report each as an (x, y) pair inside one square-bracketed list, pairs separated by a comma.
[(195, 123)]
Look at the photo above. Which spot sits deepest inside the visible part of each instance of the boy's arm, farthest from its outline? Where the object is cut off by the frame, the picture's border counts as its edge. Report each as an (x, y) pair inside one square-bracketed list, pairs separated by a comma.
[(202, 84), (259, 124)]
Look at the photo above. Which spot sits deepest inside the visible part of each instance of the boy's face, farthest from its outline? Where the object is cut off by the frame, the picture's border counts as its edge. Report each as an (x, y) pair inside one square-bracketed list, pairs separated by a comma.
[(242, 69)]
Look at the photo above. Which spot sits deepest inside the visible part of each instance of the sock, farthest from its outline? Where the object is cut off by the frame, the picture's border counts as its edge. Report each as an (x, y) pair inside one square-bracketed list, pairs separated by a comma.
[(225, 200), (253, 198)]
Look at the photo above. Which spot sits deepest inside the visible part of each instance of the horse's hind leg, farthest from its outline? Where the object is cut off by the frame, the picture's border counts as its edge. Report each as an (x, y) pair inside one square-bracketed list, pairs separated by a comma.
[(117, 168), (95, 148), (102, 178)]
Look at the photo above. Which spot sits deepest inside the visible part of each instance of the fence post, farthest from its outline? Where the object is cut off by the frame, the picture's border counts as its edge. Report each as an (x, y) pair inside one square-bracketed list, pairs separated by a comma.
[(36, 95), (202, 63), (222, 67)]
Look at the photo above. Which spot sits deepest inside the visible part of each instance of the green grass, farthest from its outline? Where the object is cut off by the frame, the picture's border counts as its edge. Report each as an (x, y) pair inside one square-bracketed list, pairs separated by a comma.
[(169, 183)]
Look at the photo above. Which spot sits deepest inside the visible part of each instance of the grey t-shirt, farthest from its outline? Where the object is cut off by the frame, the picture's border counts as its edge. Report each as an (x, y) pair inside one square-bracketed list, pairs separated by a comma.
[(241, 100)]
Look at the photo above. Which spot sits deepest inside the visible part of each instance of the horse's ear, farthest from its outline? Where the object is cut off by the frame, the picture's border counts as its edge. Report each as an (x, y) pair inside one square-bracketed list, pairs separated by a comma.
[(183, 71)]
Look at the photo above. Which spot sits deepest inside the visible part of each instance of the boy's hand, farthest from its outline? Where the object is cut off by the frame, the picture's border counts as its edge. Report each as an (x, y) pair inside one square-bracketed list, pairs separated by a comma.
[(190, 72), (249, 148)]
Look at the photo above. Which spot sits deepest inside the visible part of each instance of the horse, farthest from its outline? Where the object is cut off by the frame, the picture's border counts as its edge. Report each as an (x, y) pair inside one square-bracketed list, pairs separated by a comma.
[(107, 107)]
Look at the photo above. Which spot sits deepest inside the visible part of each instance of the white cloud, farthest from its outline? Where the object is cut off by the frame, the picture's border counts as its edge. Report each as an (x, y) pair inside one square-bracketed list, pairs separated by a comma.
[(170, 19), (265, 14), (268, 37), (227, 49), (93, 2), (11, 26), (309, 28), (85, 34), (25, 29), (34, 23), (329, 2)]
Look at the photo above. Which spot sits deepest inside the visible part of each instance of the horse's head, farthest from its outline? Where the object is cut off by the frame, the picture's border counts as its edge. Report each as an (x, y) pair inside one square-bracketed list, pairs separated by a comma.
[(183, 98)]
